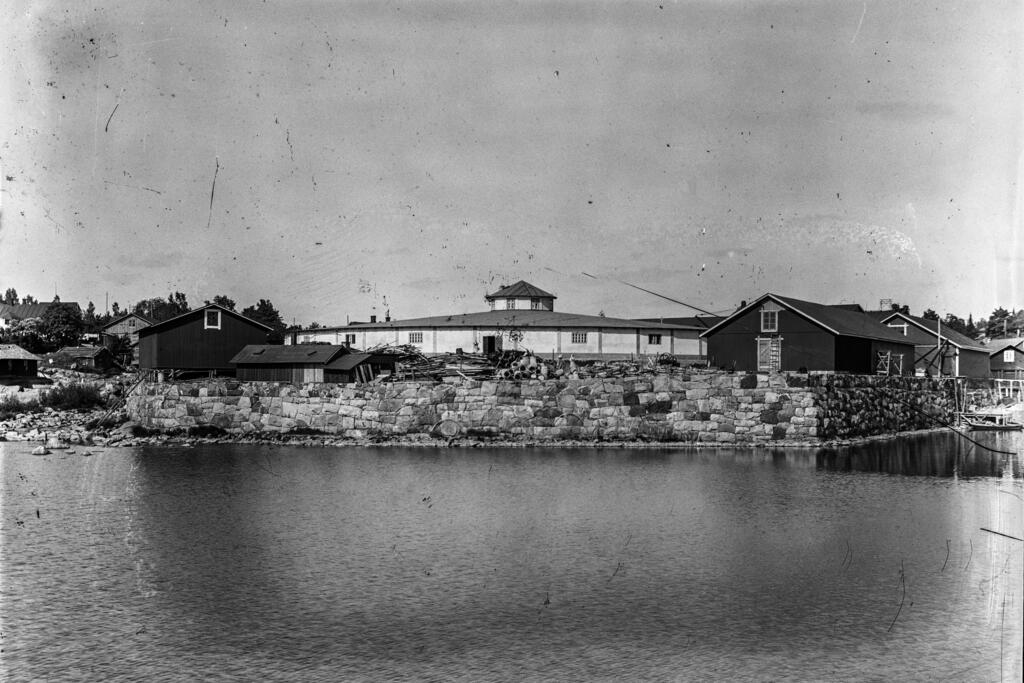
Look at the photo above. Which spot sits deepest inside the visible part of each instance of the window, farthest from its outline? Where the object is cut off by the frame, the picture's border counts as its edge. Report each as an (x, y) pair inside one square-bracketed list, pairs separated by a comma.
[(510, 304), (212, 320), (770, 317), (535, 304), (579, 337), (415, 337), (899, 326), (131, 322), (1008, 356), (654, 339), (350, 339)]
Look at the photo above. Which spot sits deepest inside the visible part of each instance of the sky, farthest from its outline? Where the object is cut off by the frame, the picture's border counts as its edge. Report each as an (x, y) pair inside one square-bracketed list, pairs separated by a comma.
[(344, 159)]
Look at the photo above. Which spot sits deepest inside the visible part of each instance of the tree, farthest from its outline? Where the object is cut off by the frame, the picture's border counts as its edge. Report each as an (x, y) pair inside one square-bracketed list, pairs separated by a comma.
[(28, 334), (62, 325), (315, 325), (930, 315), (904, 309), (998, 323), (222, 300), (89, 320), (10, 297), (971, 331), (158, 309), (265, 313), (28, 299), (115, 311), (954, 323)]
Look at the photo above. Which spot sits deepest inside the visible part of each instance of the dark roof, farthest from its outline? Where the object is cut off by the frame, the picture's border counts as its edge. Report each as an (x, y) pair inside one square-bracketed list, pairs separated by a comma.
[(348, 361), (510, 318), (520, 289), (15, 352), (83, 351), (849, 307), (838, 321), (1000, 345), (25, 311), (270, 354), (125, 317), (702, 322), (196, 312), (933, 328)]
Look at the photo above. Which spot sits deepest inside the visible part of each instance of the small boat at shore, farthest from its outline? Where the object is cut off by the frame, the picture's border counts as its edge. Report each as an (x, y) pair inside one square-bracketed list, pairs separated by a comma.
[(989, 422)]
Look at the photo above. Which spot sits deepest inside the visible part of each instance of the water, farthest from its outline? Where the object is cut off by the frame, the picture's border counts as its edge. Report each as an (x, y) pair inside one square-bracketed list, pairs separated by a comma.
[(277, 563)]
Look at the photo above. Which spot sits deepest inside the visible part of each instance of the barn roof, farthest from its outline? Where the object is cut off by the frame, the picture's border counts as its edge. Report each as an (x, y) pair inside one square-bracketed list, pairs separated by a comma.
[(276, 354), (933, 328), (26, 311), (1000, 345), (15, 352), (701, 322), (348, 361), (510, 319), (839, 321), (197, 312), (520, 289)]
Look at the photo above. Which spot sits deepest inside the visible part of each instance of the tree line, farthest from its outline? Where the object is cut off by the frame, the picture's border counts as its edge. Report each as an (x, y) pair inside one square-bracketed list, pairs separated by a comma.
[(64, 325)]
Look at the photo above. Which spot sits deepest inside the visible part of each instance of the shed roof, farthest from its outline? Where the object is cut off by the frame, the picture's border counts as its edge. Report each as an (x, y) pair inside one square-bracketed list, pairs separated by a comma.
[(15, 352), (348, 361), (520, 289), (839, 321), (934, 327), (702, 322), (1000, 345), (511, 319), (276, 354), (83, 351), (197, 312)]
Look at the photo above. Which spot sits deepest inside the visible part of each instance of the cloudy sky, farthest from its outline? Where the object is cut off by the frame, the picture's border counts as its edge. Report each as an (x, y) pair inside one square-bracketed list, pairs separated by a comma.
[(344, 158)]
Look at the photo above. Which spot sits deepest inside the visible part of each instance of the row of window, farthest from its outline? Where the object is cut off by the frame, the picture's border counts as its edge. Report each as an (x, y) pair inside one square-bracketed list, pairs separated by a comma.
[(510, 304), (575, 338)]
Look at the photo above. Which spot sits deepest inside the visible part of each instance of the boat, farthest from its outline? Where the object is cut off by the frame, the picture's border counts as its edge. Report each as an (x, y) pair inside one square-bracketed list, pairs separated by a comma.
[(989, 422)]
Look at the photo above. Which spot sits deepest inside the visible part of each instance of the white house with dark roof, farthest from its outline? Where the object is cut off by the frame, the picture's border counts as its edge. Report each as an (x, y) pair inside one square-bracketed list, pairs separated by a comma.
[(522, 317)]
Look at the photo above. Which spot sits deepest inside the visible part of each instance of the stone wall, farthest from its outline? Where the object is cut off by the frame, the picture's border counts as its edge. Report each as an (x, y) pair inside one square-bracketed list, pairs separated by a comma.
[(705, 406)]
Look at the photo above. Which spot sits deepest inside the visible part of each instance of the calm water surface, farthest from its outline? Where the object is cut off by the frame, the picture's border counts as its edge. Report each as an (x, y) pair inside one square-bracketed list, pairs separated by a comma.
[(271, 563)]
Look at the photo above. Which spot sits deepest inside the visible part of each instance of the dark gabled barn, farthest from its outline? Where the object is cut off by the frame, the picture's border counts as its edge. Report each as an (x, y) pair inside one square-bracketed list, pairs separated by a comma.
[(92, 357), (17, 362), (306, 363), (1006, 361), (939, 349), (779, 333), (204, 340)]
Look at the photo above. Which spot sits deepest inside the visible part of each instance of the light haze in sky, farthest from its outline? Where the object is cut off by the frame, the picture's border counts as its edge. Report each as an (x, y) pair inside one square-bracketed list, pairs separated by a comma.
[(343, 159)]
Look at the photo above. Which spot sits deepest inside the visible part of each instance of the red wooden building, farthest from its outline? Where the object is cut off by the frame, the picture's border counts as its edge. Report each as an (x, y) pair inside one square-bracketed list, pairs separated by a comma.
[(205, 340), (779, 333)]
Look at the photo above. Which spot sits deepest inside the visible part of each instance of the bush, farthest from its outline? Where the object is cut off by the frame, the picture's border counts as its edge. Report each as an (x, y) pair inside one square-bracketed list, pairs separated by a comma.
[(72, 397), (11, 406)]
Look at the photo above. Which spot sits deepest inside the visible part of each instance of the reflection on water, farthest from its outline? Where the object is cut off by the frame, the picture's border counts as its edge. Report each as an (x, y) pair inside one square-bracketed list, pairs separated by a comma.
[(247, 562), (945, 454)]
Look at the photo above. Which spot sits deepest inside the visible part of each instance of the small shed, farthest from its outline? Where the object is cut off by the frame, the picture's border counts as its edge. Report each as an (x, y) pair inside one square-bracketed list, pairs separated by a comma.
[(17, 362), (1006, 360), (940, 349), (90, 357), (306, 363), (205, 340), (781, 333)]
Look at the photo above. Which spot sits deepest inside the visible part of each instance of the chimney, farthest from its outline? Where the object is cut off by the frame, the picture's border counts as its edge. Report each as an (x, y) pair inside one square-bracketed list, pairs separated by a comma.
[(373, 318)]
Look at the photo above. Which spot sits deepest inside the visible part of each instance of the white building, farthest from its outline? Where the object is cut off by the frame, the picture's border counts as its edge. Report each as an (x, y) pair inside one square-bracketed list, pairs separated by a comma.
[(522, 317)]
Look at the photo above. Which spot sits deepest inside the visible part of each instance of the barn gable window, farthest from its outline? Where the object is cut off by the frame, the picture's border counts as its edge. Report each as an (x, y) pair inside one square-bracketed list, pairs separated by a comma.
[(211, 321), (770, 317), (415, 337), (1008, 356)]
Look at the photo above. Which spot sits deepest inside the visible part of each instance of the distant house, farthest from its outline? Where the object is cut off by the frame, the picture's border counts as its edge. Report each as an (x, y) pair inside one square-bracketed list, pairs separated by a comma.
[(205, 340), (780, 333), (1006, 358), (17, 362), (90, 357), (126, 327), (13, 313), (308, 363), (939, 348), (521, 318)]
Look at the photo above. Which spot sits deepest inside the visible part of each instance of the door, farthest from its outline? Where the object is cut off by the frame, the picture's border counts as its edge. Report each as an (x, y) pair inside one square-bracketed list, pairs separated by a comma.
[(491, 344), (769, 354)]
